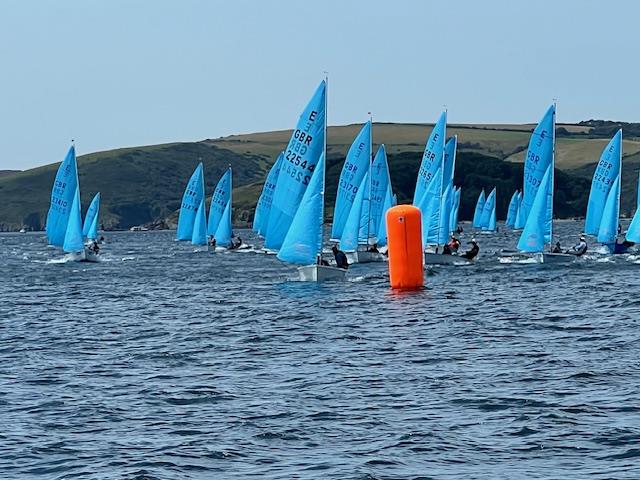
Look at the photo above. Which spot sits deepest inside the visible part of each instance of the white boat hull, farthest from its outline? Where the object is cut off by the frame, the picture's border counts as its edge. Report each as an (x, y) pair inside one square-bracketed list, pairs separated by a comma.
[(441, 259), (365, 257), (321, 273), (84, 256), (539, 258)]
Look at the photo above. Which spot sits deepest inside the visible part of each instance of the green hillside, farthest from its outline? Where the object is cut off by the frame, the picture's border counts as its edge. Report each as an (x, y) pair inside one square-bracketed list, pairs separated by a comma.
[(145, 184)]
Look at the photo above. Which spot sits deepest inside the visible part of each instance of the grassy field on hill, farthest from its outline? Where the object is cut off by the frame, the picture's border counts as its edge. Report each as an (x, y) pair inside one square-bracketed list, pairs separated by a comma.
[(145, 184)]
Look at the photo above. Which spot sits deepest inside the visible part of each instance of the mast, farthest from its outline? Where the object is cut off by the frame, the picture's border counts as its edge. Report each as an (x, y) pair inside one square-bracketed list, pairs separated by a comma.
[(553, 165), (324, 167), (371, 157), (444, 142), (619, 186)]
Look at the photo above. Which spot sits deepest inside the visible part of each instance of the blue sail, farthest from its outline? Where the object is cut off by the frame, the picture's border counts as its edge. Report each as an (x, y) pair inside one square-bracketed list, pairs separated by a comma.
[(263, 207), (199, 236), (431, 158), (380, 185), (62, 196), (382, 227), (477, 215), (73, 241), (303, 241), (356, 165), (300, 158), (633, 232), (491, 227), (444, 229), (535, 233), (609, 224), (488, 210), (93, 229), (224, 231), (353, 226), (92, 212), (604, 177), (520, 220), (449, 161), (539, 157), (512, 212), (193, 195), (453, 224), (430, 203), (219, 200)]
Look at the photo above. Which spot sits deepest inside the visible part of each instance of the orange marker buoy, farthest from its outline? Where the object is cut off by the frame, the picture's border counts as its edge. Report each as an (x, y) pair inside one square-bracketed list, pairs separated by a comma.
[(404, 237)]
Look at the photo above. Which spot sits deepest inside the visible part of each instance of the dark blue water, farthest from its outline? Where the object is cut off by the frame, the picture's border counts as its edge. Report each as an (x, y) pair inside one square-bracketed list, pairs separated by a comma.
[(166, 363)]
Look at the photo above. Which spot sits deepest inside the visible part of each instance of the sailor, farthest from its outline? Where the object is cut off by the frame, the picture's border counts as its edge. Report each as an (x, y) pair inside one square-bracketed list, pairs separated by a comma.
[(94, 247), (579, 248), (212, 241), (341, 258), (623, 247), (373, 248), (473, 252), (235, 242), (454, 244), (557, 248)]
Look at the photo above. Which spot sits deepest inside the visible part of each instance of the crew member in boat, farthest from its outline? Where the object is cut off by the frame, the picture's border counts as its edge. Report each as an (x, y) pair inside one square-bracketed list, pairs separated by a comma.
[(341, 258), (473, 252), (93, 247), (211, 241), (235, 242), (373, 248), (579, 248), (452, 247), (622, 247), (557, 248)]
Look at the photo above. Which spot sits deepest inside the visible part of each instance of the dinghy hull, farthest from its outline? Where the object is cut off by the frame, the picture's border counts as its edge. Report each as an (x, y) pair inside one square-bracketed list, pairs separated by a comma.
[(365, 257), (321, 273), (440, 259), (85, 255), (539, 258)]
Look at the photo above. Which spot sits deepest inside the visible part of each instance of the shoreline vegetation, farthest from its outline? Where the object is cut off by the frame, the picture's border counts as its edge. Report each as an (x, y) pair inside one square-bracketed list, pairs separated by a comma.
[(142, 186)]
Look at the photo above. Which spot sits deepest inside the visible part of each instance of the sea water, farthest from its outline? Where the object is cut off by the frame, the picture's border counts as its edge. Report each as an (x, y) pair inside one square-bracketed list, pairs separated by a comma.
[(164, 361)]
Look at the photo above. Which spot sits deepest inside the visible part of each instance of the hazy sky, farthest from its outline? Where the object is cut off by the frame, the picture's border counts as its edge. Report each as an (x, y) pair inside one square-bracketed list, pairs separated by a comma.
[(113, 73)]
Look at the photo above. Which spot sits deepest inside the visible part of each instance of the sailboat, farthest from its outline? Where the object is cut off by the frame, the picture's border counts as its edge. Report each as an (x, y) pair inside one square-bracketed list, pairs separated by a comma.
[(219, 224), (488, 218), (191, 200), (603, 208), (64, 219), (477, 215), (537, 199), (90, 225), (296, 219)]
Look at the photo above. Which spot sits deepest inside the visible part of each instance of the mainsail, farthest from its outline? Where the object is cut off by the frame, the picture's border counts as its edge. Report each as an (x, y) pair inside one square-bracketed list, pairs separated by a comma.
[(488, 219), (602, 196), (356, 166), (193, 195), (219, 200), (62, 197), (263, 207), (477, 215), (300, 159), (352, 231), (90, 226), (512, 212), (539, 157), (431, 158), (380, 187)]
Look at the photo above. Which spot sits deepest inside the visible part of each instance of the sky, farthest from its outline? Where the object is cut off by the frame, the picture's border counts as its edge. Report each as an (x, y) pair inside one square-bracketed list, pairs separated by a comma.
[(121, 73)]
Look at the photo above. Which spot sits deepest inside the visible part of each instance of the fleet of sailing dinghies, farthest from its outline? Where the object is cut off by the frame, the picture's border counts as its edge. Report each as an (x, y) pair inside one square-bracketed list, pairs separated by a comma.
[(603, 208), (192, 220), (64, 220)]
